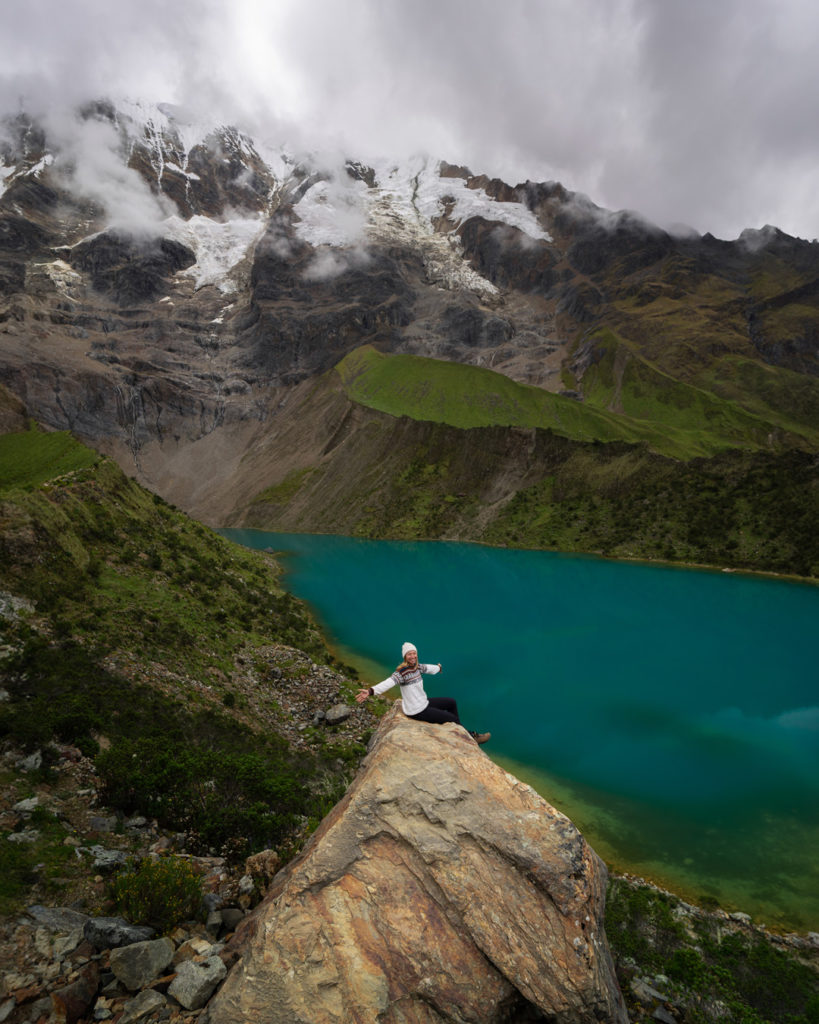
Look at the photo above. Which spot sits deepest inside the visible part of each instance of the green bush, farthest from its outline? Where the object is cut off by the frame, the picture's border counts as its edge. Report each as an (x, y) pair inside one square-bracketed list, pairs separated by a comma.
[(16, 872), (228, 800), (733, 977), (160, 893)]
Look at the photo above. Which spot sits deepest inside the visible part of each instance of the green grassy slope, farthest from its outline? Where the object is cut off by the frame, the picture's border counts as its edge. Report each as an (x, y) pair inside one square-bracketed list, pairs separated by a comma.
[(626, 399), (146, 639), (402, 478), (34, 457), (699, 419), (729, 326)]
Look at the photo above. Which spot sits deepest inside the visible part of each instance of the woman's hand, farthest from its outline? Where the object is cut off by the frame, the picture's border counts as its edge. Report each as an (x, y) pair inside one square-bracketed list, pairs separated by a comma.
[(362, 695)]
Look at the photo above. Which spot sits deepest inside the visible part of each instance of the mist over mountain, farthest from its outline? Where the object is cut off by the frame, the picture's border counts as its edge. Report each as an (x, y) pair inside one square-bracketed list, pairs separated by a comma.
[(170, 287)]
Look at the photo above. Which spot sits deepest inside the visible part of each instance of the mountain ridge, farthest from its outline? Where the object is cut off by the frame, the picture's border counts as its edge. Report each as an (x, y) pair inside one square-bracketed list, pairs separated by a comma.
[(167, 290)]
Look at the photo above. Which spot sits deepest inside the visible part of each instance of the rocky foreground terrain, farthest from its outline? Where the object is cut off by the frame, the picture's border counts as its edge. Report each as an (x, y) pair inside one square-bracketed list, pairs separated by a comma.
[(77, 960), (80, 960)]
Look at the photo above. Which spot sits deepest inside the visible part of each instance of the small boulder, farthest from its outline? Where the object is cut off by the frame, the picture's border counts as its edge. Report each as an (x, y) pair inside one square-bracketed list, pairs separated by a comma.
[(32, 763), (138, 964), (26, 806), (106, 860), (142, 1006), (194, 983), (263, 866), (112, 932), (337, 714), (73, 1002), (231, 917), (58, 919)]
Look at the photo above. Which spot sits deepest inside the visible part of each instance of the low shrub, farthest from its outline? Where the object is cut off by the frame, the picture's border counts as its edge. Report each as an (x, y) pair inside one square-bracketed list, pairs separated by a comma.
[(224, 800), (720, 978), (160, 893)]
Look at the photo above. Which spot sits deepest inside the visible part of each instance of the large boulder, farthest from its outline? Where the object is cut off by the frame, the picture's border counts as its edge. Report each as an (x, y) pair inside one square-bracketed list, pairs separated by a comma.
[(439, 889)]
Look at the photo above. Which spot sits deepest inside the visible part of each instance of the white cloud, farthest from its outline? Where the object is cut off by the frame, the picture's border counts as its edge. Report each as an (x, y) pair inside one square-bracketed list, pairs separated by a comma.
[(693, 112), (90, 158)]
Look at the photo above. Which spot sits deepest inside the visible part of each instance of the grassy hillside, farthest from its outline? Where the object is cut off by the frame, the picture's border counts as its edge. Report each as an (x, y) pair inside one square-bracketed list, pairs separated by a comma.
[(625, 398), (394, 476), (162, 651)]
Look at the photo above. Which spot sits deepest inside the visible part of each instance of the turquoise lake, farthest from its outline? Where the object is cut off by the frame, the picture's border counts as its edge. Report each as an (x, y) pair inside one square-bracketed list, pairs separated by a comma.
[(672, 714)]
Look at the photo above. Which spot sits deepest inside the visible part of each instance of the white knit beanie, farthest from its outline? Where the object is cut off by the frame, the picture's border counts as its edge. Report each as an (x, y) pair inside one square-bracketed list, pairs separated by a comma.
[(406, 648)]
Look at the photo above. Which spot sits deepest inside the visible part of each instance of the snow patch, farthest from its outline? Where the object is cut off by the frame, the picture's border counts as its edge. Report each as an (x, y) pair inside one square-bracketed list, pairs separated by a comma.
[(434, 194), (41, 165), (218, 246), (403, 207), (8, 174), (395, 214)]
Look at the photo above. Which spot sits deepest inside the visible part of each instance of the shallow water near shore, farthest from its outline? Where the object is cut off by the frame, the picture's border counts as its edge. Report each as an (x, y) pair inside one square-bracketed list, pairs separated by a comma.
[(672, 714)]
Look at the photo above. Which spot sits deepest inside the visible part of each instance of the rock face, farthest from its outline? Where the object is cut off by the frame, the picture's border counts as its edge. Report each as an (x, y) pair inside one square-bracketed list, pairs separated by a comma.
[(440, 889)]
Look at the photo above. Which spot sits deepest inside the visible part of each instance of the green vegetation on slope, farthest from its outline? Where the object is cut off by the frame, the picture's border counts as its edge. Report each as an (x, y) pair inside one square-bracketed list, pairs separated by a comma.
[(625, 399), (715, 974), (407, 479), (31, 458), (732, 331), (139, 618), (738, 510), (692, 420)]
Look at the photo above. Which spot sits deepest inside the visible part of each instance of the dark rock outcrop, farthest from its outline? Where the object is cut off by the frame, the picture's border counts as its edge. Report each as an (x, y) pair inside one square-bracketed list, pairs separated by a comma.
[(440, 888)]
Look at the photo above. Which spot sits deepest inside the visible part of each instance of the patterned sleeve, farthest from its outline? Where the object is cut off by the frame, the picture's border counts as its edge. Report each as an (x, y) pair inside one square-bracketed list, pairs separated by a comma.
[(386, 684)]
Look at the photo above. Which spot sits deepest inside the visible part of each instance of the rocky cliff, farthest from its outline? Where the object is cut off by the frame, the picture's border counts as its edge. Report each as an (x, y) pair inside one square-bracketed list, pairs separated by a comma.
[(439, 889)]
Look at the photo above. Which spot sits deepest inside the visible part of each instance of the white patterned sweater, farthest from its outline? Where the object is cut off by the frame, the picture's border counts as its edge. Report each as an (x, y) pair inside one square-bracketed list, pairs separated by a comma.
[(413, 698)]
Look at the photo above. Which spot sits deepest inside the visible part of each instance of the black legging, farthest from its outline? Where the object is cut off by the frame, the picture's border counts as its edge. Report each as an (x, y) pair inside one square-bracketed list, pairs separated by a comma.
[(439, 710)]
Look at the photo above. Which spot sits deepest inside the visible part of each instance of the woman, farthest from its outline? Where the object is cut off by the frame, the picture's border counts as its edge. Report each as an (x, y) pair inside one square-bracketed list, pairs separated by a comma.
[(414, 700)]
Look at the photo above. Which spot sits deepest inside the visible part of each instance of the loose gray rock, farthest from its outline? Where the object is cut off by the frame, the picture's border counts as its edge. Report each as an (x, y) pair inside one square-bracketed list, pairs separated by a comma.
[(32, 763), (195, 983), (28, 835), (212, 901), (103, 824), (113, 932), (142, 1006), (26, 806), (105, 860), (338, 713), (138, 964), (58, 919)]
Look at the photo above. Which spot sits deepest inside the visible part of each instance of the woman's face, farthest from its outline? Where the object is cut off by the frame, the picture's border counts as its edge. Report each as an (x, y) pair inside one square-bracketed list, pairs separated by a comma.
[(411, 658)]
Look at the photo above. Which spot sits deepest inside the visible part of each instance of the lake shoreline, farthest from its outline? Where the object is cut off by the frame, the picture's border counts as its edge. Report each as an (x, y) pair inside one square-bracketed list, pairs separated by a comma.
[(769, 574), (643, 691)]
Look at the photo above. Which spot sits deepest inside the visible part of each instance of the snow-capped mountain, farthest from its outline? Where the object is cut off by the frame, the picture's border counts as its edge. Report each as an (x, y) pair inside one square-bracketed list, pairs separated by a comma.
[(166, 284)]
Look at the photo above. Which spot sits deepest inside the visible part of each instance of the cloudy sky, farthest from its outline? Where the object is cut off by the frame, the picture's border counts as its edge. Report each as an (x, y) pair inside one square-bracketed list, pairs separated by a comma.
[(694, 112)]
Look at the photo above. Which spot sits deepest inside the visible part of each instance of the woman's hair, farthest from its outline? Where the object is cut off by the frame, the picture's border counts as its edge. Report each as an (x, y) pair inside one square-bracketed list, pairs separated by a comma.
[(402, 667)]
